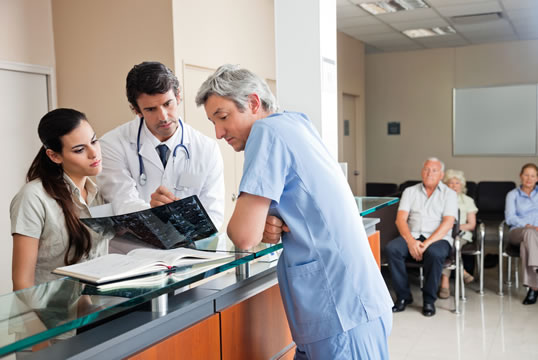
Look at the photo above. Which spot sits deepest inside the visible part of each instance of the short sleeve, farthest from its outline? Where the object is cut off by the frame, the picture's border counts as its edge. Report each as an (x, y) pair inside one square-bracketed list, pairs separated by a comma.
[(267, 163), (405, 201), (470, 205), (27, 213), (451, 204)]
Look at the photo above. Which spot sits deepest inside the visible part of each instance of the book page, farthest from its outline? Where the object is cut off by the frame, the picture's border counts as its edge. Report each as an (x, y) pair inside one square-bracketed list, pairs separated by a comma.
[(111, 267), (177, 257)]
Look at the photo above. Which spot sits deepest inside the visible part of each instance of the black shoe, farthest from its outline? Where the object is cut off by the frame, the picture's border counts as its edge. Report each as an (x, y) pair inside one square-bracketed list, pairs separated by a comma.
[(400, 304), (531, 297), (428, 309)]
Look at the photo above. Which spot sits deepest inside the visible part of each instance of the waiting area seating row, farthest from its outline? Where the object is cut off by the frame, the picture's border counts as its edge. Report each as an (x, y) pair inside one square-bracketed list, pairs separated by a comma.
[(489, 197)]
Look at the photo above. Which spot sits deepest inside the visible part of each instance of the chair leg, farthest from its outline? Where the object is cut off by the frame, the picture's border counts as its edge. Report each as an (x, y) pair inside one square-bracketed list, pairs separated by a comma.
[(509, 272), (482, 233), (421, 276), (501, 230), (462, 283), (457, 281), (516, 271)]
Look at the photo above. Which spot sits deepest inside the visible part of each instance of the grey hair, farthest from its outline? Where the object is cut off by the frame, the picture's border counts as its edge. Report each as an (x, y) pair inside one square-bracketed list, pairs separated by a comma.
[(236, 84), (436, 160), (456, 174)]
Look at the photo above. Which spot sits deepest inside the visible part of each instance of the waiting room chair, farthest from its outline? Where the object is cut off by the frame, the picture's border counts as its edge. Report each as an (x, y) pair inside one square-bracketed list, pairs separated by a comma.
[(381, 189), (490, 199), (452, 262), (476, 248), (471, 189), (407, 184), (509, 251)]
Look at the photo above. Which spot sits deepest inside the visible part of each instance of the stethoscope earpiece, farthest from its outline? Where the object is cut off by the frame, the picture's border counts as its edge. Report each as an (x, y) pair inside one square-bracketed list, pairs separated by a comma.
[(142, 178)]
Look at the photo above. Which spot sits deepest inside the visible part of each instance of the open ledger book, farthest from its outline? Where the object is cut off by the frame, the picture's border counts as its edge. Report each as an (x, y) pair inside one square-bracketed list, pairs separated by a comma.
[(114, 267)]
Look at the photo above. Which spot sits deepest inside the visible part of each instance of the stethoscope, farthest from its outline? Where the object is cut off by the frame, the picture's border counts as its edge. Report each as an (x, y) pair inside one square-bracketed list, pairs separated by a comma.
[(142, 178)]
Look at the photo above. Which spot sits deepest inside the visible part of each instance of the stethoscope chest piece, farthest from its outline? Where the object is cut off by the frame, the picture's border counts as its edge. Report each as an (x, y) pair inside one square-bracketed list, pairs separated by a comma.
[(142, 179)]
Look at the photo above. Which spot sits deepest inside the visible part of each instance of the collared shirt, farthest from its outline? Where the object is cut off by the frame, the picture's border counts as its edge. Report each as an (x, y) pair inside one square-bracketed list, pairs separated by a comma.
[(426, 213), (521, 209), (170, 143), (36, 214), (328, 278)]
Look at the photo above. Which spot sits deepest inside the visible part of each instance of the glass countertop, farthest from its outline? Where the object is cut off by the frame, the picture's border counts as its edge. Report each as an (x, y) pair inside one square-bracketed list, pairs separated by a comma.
[(56, 308), (369, 204)]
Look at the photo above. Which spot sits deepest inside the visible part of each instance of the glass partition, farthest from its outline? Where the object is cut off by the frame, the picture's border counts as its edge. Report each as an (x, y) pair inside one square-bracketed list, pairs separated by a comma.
[(369, 204), (55, 309)]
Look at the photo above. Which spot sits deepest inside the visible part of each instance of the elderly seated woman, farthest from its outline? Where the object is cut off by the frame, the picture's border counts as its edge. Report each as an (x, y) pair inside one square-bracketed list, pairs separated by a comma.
[(455, 180), (521, 214)]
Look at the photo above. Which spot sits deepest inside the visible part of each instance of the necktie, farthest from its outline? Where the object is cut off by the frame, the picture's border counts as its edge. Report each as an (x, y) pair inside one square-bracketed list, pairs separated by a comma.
[(163, 150)]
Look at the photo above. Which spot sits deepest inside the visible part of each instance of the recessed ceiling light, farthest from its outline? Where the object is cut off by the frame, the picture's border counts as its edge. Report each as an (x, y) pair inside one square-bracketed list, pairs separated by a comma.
[(423, 32), (390, 6)]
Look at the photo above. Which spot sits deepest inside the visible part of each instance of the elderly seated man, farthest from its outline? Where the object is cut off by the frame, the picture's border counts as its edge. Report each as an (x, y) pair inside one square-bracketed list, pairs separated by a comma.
[(424, 220)]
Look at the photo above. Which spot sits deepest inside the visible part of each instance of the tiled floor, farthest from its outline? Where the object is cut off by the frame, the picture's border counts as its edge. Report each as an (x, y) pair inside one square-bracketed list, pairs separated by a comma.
[(489, 326)]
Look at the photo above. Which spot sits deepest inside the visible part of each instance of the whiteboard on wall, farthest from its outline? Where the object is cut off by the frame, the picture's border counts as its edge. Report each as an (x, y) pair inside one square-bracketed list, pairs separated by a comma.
[(496, 121), (25, 98)]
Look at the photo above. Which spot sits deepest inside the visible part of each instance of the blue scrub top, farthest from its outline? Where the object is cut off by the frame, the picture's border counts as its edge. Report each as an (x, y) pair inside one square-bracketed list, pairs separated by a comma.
[(328, 277)]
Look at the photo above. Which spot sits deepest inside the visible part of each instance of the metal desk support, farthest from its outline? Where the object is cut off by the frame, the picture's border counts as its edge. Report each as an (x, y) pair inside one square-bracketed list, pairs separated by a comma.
[(160, 304)]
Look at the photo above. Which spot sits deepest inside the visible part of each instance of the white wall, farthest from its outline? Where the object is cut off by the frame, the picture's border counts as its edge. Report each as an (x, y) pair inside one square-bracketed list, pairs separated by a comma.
[(415, 88)]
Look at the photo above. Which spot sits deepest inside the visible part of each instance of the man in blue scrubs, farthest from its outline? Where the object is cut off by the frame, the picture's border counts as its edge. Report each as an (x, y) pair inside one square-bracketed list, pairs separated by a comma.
[(336, 301)]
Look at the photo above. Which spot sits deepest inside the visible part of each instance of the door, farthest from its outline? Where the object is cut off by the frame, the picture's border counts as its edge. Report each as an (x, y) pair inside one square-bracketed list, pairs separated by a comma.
[(195, 116), (349, 132), (25, 96)]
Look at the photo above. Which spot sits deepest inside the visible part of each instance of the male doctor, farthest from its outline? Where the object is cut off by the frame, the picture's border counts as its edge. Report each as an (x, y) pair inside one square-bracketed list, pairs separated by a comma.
[(157, 152), (336, 301)]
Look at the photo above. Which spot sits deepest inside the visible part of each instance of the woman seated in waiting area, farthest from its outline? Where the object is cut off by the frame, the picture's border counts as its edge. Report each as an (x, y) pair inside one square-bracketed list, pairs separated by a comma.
[(455, 180), (47, 232), (521, 214)]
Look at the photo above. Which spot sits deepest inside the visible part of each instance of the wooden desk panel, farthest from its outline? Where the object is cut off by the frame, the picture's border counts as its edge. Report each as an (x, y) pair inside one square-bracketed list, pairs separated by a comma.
[(198, 342), (375, 245), (256, 328)]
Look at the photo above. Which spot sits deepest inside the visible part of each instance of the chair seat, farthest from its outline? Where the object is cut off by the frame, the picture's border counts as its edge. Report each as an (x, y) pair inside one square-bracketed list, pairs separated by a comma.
[(471, 249), (512, 250)]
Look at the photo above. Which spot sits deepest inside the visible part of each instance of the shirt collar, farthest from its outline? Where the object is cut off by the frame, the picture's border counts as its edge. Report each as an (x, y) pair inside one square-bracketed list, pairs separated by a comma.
[(522, 193), (171, 143), (90, 187), (438, 187)]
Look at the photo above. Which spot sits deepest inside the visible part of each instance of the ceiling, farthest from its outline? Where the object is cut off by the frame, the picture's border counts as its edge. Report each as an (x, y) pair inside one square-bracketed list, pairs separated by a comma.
[(383, 33)]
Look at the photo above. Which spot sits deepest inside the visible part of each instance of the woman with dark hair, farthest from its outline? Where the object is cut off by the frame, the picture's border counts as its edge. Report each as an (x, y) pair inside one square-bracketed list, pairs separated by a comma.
[(521, 214), (45, 225)]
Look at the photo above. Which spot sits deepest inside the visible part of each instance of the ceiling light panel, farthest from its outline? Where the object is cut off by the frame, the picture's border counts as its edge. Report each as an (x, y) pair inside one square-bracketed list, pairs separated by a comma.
[(391, 6), (427, 32)]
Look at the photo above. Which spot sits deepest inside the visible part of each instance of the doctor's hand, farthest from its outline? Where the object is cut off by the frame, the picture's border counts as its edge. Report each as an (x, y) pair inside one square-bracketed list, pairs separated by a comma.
[(273, 230), (162, 196)]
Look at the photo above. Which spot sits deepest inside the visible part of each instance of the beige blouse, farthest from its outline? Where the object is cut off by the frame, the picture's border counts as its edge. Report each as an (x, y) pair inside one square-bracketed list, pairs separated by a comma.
[(35, 214), (466, 205)]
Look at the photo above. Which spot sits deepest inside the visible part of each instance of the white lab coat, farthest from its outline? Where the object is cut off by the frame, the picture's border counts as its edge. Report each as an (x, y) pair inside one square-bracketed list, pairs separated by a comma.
[(202, 175)]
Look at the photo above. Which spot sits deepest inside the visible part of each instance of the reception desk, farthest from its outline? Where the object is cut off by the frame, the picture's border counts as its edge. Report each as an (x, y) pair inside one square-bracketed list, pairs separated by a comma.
[(229, 310)]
